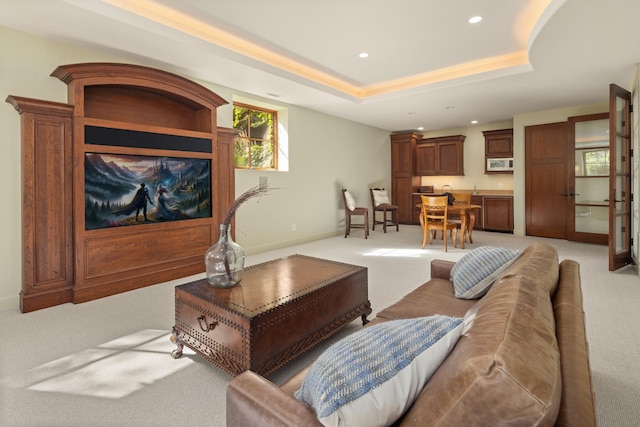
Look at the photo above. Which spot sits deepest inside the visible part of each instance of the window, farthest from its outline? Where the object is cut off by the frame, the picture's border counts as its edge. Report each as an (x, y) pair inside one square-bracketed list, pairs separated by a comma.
[(256, 146), (592, 162)]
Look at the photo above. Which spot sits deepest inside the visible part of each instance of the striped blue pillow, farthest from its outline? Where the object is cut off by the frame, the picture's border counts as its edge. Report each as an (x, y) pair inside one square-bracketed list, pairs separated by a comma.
[(372, 377), (475, 272)]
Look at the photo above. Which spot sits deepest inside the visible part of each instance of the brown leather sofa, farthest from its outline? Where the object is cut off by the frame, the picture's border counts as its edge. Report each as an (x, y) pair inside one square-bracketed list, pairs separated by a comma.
[(523, 361)]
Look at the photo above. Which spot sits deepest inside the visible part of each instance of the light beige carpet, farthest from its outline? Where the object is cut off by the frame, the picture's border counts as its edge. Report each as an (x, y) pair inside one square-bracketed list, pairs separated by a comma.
[(107, 362)]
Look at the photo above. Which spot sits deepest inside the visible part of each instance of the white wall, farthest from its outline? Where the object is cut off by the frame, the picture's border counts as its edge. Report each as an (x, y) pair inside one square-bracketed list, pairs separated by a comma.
[(326, 154)]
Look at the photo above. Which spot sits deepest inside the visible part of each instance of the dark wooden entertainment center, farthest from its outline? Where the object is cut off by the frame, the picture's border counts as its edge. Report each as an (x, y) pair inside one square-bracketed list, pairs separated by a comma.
[(62, 260)]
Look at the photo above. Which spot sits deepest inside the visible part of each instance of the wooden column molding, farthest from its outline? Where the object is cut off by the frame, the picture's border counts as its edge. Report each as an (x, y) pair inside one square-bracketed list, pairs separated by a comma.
[(47, 190)]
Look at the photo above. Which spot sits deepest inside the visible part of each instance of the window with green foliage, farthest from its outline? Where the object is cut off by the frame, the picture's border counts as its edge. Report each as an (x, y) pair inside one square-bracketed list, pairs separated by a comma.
[(256, 145), (596, 162)]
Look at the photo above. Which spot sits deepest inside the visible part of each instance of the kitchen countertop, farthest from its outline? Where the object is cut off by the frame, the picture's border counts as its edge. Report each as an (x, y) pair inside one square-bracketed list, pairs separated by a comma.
[(505, 193)]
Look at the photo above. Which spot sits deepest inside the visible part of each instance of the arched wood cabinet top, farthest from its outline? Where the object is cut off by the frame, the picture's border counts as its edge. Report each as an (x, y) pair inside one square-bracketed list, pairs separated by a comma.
[(99, 73), (137, 94)]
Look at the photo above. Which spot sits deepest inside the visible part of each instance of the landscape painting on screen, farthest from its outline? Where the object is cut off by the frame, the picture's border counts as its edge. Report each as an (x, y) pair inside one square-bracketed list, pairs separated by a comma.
[(130, 190)]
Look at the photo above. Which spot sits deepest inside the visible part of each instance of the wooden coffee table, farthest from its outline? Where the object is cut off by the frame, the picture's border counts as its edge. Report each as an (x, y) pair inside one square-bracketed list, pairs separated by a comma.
[(280, 309)]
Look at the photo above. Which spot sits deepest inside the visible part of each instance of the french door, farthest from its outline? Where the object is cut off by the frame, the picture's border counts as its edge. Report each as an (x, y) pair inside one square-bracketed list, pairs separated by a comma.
[(619, 178)]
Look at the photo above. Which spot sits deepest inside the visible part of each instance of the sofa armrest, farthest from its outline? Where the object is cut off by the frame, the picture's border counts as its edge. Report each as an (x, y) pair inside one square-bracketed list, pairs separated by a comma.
[(253, 400), (441, 269), (577, 407)]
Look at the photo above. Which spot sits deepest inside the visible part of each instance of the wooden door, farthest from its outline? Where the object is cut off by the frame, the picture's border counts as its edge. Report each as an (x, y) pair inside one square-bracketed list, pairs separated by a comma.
[(545, 180), (619, 178)]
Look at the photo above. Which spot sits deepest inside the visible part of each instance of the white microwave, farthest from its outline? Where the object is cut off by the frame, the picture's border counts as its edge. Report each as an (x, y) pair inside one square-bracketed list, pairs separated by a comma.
[(503, 164)]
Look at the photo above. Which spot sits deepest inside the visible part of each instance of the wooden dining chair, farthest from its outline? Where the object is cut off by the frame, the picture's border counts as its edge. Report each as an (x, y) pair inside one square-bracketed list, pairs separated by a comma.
[(380, 203), (350, 210), (434, 219), (460, 198)]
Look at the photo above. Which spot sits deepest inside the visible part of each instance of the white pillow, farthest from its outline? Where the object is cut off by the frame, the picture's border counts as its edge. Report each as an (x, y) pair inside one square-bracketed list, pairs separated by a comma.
[(475, 272), (380, 197), (351, 202), (373, 376)]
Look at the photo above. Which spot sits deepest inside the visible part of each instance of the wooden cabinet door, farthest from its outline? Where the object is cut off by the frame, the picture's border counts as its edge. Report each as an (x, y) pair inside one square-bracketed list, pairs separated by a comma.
[(404, 181), (449, 155), (426, 155), (498, 143), (498, 213), (479, 224), (401, 189), (402, 159), (440, 156)]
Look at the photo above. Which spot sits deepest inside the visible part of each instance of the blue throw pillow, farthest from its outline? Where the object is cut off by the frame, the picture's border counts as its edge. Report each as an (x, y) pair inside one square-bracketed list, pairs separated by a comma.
[(372, 377), (475, 272)]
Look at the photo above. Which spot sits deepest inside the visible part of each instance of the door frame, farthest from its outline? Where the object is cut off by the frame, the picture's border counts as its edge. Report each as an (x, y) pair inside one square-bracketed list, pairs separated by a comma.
[(620, 145)]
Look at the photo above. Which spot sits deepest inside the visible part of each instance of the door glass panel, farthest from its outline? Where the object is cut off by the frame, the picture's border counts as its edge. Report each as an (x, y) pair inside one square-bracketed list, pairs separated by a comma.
[(621, 216), (622, 233), (592, 219), (591, 198), (593, 191), (620, 114), (620, 155), (619, 203)]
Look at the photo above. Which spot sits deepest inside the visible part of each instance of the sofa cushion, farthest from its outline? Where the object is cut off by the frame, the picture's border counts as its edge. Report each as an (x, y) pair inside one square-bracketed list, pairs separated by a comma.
[(506, 366), (433, 297), (476, 271), (371, 377)]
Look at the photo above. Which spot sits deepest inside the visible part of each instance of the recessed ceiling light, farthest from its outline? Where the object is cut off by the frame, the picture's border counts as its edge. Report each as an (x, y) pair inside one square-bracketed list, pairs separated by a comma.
[(421, 128), (363, 55), (275, 95), (411, 113), (475, 19), (449, 107), (473, 122)]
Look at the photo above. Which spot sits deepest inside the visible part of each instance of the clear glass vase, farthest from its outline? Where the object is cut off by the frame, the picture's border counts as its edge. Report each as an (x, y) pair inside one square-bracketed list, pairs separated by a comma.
[(224, 261)]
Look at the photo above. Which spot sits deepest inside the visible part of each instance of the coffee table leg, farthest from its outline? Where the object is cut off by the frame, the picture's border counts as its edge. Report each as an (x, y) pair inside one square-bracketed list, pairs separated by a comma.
[(366, 313), (174, 339)]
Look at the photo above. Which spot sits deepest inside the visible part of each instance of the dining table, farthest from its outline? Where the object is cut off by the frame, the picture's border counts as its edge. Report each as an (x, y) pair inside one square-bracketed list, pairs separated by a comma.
[(467, 213)]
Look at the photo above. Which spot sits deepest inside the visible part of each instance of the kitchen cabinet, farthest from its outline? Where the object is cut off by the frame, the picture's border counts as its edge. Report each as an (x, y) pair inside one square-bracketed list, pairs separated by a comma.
[(497, 213), (498, 144), (404, 181), (440, 156)]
